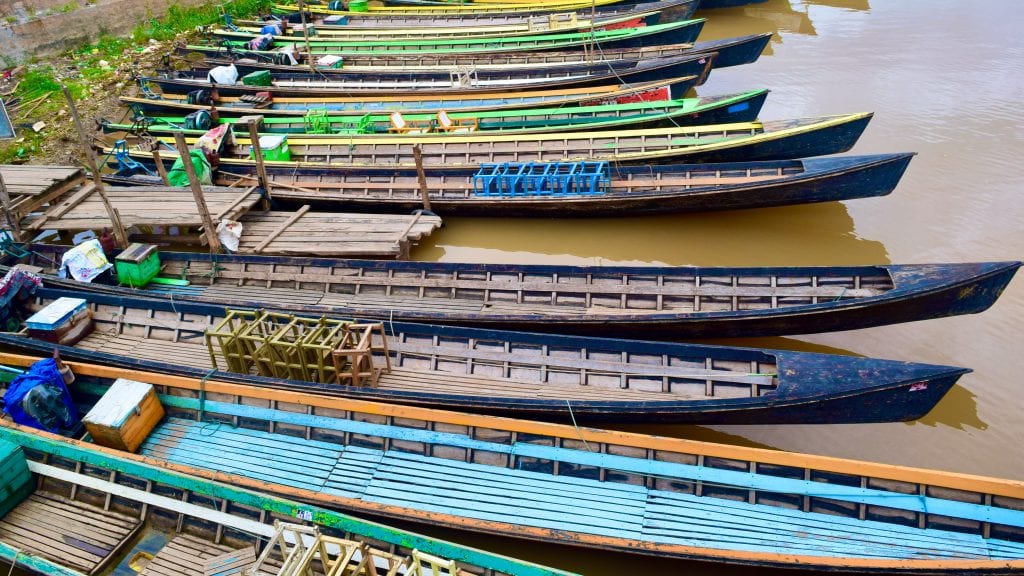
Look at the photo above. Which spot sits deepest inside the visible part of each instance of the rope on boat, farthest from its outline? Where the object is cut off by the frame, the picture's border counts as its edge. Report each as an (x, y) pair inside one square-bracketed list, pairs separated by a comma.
[(14, 561), (577, 426), (202, 391)]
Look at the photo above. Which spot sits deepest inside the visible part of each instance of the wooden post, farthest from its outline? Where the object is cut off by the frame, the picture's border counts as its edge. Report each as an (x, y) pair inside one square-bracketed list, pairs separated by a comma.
[(12, 220), (197, 192), (160, 167), (305, 36), (253, 125), (417, 155), (120, 236)]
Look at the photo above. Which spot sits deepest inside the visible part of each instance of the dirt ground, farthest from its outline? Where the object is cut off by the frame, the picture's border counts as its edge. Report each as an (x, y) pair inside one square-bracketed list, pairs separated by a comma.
[(98, 80)]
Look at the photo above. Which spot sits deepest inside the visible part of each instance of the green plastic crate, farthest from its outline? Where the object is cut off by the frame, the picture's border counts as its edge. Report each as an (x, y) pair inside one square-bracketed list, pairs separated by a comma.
[(258, 78), (359, 6), (137, 265), (274, 147)]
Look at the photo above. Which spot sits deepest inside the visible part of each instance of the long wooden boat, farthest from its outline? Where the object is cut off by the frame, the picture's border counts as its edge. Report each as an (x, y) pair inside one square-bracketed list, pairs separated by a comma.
[(530, 375), (674, 88), (582, 487), (641, 301), (669, 11), (684, 31), (706, 110), (454, 9), (651, 189), (729, 52), (696, 67), (391, 31), (772, 140), (632, 190), (90, 510)]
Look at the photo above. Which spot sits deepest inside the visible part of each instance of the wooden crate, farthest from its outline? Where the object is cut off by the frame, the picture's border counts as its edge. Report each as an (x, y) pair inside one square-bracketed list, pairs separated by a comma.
[(125, 415)]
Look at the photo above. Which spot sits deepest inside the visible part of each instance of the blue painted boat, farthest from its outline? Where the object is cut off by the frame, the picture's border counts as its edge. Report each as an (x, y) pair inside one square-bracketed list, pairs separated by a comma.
[(668, 11), (695, 67), (517, 373), (644, 301), (461, 151), (684, 31), (581, 487), (420, 104), (632, 190), (91, 510), (713, 4), (730, 52)]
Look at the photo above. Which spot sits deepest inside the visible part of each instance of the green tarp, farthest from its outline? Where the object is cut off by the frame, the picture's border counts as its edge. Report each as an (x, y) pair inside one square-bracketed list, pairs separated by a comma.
[(177, 176)]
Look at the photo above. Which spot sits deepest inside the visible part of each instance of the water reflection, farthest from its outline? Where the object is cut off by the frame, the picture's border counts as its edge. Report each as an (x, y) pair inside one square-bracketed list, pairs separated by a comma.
[(958, 409), (715, 239)]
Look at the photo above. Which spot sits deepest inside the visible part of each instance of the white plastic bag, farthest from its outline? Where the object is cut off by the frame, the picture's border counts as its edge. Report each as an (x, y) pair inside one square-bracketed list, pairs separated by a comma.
[(226, 75), (84, 262), (229, 233)]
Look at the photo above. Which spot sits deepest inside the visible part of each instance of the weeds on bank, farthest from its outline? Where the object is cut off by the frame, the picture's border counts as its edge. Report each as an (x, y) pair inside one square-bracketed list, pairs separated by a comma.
[(92, 69), (181, 19)]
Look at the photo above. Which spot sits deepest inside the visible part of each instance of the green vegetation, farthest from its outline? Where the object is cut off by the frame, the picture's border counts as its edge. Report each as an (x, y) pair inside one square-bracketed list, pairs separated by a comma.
[(93, 66), (181, 19)]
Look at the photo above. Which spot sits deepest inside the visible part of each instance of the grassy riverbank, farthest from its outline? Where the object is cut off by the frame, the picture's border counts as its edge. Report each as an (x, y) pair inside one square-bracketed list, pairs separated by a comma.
[(95, 74)]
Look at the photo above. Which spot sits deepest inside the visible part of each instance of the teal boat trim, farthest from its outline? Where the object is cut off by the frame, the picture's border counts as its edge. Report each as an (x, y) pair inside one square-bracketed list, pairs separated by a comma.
[(322, 516)]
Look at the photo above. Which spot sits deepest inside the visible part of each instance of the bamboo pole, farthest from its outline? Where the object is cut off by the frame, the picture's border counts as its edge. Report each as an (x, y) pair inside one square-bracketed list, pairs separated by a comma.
[(421, 176), (197, 192), (160, 167), (12, 221), (120, 236), (253, 125), (305, 36)]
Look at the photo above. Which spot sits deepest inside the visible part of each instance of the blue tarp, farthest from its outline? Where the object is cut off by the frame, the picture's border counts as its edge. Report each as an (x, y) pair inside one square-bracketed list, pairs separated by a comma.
[(39, 398), (6, 128)]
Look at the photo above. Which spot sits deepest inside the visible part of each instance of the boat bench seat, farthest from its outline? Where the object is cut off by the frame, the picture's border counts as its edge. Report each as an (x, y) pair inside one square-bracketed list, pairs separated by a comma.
[(72, 533)]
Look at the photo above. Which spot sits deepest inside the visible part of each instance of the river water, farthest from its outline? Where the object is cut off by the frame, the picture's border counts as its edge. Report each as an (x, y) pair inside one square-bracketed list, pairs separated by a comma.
[(945, 80)]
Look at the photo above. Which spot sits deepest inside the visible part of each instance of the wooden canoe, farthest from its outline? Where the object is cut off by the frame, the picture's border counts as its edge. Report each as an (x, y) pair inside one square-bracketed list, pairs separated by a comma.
[(634, 190), (538, 25), (639, 301), (451, 10), (581, 487), (772, 140), (526, 374), (684, 31), (669, 11), (706, 110), (361, 105), (298, 84), (730, 52), (92, 509)]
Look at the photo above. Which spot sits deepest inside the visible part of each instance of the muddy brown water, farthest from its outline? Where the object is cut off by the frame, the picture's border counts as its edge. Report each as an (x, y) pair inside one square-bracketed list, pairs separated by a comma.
[(944, 81)]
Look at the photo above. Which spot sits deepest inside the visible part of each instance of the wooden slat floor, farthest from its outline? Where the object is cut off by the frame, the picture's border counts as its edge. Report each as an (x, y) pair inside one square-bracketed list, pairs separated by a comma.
[(304, 297), (71, 533), (542, 500), (184, 555), (194, 353)]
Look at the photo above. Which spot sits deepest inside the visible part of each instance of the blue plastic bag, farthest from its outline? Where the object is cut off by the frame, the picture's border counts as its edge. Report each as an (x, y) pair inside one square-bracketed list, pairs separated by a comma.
[(39, 398)]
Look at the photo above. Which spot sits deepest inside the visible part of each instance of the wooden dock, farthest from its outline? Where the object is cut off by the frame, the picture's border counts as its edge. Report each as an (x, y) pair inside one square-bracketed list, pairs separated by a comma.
[(31, 187), (62, 198)]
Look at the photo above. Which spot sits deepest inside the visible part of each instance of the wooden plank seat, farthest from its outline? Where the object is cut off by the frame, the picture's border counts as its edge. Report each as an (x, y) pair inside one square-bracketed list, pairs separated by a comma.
[(73, 533), (575, 501)]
